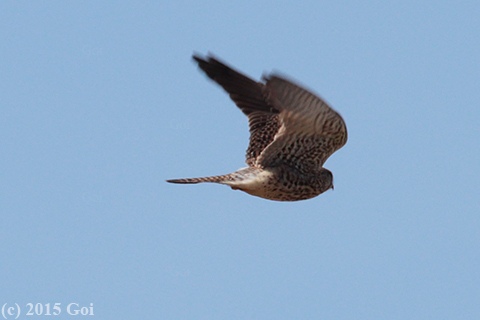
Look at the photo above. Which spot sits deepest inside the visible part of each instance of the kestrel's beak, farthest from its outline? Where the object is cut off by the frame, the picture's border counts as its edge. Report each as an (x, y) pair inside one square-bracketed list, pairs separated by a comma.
[(333, 188)]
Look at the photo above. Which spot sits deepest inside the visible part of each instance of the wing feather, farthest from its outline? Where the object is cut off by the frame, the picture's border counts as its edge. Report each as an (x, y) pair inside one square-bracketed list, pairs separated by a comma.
[(250, 97), (310, 130), (288, 124)]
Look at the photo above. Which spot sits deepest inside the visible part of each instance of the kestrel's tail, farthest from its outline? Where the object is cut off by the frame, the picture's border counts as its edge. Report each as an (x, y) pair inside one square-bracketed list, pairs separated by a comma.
[(215, 179)]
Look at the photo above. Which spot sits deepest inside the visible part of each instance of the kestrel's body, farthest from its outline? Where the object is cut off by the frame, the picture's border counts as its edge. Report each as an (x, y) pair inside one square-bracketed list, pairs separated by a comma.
[(292, 134)]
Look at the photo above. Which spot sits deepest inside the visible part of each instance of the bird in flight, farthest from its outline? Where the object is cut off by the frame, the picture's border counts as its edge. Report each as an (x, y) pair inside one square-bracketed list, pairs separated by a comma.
[(292, 134)]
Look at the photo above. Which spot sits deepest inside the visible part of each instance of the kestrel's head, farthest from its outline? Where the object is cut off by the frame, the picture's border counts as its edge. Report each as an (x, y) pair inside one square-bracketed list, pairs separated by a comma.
[(326, 178)]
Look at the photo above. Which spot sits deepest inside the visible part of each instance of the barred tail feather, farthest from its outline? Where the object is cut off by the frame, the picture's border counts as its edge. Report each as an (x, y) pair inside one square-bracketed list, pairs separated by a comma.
[(214, 179)]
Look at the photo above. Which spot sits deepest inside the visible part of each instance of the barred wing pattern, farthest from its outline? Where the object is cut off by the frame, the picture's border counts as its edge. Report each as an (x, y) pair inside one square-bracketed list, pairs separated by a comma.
[(250, 97), (310, 131)]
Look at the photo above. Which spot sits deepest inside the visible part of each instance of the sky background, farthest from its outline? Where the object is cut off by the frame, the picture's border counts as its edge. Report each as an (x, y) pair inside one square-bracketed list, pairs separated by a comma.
[(100, 103)]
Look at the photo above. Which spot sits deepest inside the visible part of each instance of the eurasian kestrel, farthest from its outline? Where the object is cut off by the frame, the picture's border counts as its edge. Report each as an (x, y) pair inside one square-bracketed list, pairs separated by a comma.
[(292, 134)]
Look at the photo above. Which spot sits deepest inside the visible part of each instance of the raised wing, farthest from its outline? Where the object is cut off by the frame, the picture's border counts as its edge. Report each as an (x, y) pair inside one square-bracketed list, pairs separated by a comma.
[(310, 131), (251, 98)]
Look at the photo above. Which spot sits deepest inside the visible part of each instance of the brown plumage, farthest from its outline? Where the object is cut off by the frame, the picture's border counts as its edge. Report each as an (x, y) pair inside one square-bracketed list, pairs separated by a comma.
[(292, 134)]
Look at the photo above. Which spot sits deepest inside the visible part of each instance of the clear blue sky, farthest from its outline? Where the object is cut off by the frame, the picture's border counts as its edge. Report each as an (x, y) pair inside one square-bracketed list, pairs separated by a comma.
[(101, 102)]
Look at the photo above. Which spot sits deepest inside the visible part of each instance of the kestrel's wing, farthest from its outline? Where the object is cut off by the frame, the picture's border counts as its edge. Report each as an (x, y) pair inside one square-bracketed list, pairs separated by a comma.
[(310, 131), (250, 97)]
